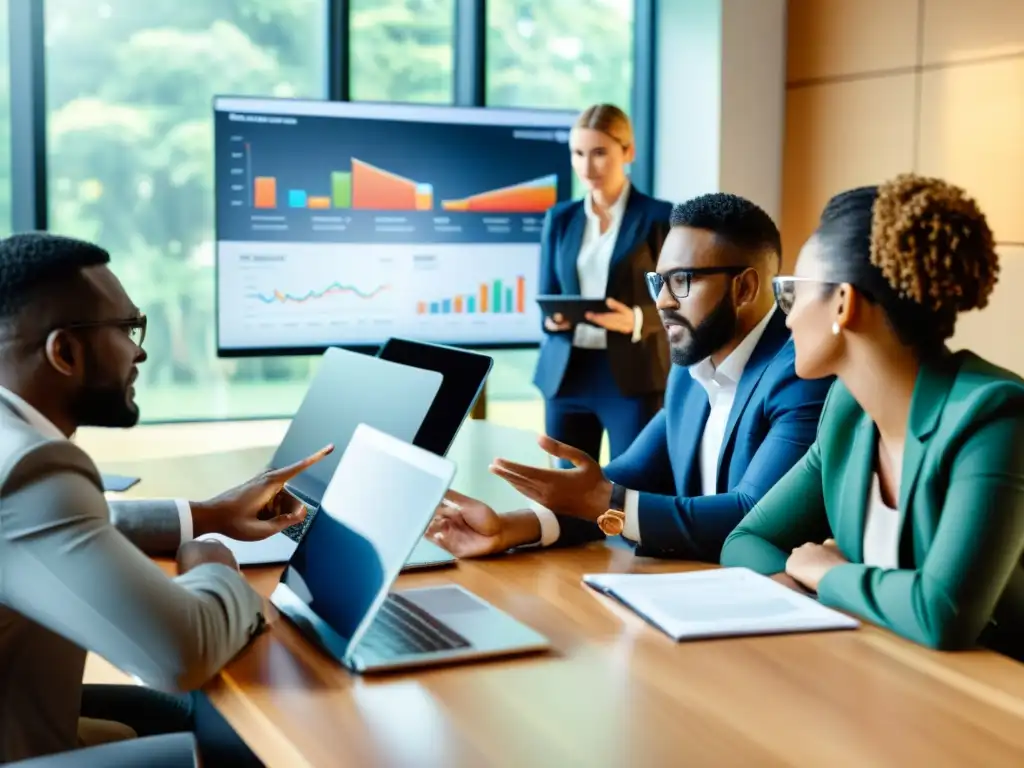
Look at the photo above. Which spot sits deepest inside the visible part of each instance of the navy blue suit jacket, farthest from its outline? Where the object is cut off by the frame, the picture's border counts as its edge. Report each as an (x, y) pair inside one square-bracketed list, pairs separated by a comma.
[(640, 368), (773, 421)]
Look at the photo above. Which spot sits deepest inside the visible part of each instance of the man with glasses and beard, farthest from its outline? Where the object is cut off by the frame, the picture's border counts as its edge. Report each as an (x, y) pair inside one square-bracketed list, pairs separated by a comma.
[(736, 416), (73, 573)]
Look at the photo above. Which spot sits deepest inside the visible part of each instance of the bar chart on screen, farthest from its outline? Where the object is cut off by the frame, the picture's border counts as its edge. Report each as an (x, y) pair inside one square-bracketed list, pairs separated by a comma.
[(354, 294)]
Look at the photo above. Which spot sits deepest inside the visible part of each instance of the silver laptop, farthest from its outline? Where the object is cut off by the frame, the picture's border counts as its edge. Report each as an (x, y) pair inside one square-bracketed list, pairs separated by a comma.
[(335, 588), (349, 388)]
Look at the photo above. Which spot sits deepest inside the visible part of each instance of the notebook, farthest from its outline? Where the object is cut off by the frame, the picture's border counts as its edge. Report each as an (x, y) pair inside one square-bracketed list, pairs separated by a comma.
[(723, 602)]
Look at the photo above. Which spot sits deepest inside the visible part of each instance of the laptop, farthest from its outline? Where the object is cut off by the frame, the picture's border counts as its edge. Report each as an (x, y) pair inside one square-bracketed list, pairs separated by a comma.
[(348, 388), (335, 588), (464, 374)]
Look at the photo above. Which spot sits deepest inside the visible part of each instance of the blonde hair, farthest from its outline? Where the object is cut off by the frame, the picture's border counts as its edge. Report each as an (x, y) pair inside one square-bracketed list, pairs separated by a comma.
[(609, 120)]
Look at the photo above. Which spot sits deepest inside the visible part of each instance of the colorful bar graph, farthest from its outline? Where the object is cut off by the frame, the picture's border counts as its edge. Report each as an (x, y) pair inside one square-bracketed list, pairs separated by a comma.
[(296, 198), (319, 203), (264, 192), (341, 189), (496, 297), (534, 196)]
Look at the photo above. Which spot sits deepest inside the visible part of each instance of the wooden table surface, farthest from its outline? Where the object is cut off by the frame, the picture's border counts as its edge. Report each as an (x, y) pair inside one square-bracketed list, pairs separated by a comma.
[(613, 691)]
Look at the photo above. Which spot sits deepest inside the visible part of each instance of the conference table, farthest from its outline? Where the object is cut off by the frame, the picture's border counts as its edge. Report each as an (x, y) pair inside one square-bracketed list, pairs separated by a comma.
[(613, 691)]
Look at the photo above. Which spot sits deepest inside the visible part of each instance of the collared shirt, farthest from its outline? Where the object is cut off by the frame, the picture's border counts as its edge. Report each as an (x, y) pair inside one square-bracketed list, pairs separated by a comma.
[(720, 384), (47, 428), (593, 265)]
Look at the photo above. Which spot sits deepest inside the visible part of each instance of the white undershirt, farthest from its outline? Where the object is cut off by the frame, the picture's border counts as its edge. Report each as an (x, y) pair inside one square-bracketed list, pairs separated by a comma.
[(720, 384), (593, 265), (881, 530), (47, 428)]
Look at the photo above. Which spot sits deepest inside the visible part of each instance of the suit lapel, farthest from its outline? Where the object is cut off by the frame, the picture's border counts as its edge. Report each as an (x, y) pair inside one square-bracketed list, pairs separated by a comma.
[(694, 416), (774, 336), (569, 252), (630, 232), (855, 484), (926, 404)]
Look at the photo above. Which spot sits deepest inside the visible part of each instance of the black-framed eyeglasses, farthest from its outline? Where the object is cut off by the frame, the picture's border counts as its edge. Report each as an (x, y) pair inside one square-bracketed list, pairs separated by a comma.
[(678, 280), (135, 327)]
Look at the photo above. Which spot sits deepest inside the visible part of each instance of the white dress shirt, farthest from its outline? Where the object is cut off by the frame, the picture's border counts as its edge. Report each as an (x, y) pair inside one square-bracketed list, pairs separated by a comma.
[(720, 384), (593, 265), (881, 530), (47, 428)]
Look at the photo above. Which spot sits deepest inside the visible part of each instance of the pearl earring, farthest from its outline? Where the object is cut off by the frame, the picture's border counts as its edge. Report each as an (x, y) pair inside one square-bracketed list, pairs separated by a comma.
[(835, 329)]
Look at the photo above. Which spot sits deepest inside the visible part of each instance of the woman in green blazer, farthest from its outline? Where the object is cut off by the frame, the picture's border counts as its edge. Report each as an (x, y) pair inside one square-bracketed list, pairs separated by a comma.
[(909, 508)]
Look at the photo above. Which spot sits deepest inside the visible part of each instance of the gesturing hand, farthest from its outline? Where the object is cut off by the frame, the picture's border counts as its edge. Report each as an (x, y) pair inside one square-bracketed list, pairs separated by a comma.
[(581, 491), (466, 527), (256, 509), (620, 318)]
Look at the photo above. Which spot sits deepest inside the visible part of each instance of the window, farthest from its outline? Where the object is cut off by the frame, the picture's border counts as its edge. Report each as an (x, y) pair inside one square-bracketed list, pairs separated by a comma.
[(569, 53), (130, 167), (559, 54), (5, 125), (401, 50)]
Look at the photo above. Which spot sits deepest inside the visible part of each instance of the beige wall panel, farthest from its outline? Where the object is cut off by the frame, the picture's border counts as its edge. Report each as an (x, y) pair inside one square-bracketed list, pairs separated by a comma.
[(846, 37), (994, 332), (838, 136), (960, 30), (972, 134)]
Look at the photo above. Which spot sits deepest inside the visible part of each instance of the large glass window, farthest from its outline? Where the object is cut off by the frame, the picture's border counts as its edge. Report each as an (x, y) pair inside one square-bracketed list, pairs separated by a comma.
[(5, 125), (401, 50), (129, 88), (559, 54), (564, 53)]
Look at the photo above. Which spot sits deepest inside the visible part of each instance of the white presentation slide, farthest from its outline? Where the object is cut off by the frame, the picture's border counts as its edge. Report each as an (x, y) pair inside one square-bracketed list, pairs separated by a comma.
[(293, 295)]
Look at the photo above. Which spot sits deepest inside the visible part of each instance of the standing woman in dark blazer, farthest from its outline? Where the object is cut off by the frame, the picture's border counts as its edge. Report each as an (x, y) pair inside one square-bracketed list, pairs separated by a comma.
[(610, 375)]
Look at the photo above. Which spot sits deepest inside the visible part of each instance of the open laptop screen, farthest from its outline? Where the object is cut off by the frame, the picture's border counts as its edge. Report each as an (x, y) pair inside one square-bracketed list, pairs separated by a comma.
[(464, 375), (374, 511), (352, 388)]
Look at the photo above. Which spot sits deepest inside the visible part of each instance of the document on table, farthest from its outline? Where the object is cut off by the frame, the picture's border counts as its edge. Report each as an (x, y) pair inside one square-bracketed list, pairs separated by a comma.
[(723, 602)]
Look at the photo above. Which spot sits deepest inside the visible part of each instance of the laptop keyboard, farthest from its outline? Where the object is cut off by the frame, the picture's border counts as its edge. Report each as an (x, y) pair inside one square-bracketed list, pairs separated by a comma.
[(402, 628), (297, 531)]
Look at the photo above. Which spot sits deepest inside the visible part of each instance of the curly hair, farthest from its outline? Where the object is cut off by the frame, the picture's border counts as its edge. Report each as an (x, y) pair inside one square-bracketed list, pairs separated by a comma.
[(919, 246)]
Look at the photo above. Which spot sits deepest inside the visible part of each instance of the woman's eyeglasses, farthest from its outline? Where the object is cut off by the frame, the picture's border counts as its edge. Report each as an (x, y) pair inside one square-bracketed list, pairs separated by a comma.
[(678, 280), (785, 290)]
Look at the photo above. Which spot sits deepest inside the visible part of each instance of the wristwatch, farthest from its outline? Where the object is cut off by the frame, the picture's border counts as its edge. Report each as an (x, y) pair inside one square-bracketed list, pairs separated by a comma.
[(613, 520)]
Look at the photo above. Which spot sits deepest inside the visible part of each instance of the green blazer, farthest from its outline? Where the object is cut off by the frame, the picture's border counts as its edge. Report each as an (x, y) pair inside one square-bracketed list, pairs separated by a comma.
[(961, 499)]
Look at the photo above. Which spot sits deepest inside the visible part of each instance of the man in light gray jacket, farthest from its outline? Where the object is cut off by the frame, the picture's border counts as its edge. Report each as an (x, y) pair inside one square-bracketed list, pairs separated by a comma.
[(75, 572)]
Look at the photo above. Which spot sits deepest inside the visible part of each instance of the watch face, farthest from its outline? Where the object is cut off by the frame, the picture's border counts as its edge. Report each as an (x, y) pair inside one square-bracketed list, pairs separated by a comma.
[(611, 524)]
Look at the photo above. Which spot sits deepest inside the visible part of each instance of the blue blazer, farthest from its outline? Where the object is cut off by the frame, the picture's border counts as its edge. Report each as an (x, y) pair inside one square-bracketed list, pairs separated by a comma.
[(640, 368), (773, 422)]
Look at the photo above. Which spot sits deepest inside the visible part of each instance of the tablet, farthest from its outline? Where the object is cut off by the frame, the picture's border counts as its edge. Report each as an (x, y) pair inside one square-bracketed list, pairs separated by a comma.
[(572, 308)]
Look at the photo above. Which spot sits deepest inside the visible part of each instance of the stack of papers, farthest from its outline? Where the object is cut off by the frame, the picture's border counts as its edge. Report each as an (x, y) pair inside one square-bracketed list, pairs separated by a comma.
[(724, 602)]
